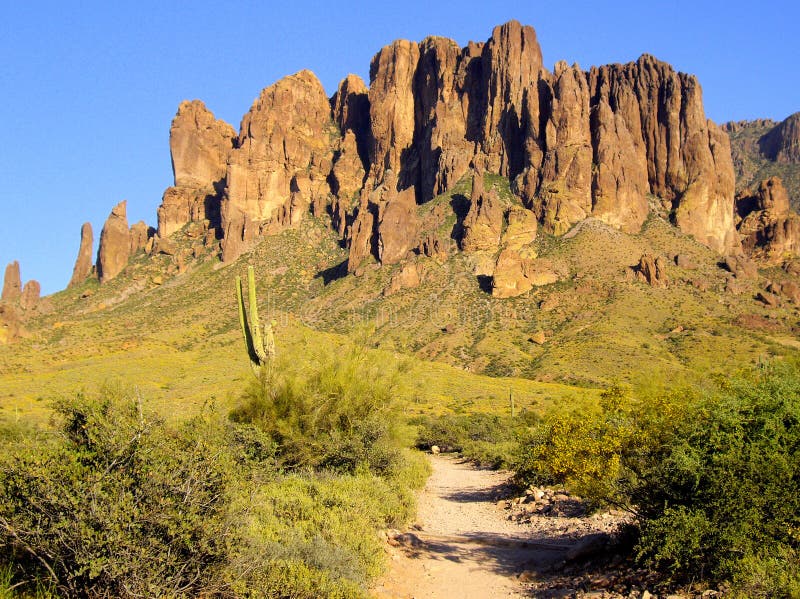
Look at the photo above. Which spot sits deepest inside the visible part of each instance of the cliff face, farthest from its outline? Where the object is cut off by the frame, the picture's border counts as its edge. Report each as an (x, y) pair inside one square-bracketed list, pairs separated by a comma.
[(574, 144), (281, 162), (782, 143), (199, 145)]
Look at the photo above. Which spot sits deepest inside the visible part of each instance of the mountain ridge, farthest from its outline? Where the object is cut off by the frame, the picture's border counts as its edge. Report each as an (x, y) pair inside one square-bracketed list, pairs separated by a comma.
[(573, 143)]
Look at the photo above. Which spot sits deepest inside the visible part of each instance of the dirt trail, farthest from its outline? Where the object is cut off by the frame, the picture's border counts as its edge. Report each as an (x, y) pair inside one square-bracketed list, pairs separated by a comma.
[(466, 547)]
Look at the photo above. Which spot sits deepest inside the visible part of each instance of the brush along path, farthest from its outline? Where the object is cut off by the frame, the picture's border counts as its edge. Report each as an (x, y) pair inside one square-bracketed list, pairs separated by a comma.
[(466, 546)]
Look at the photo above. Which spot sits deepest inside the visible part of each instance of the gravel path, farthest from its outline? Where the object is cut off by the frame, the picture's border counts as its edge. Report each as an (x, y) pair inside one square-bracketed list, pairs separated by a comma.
[(464, 546)]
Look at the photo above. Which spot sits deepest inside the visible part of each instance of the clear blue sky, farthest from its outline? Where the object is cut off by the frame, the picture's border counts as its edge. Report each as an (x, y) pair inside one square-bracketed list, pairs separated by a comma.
[(87, 91)]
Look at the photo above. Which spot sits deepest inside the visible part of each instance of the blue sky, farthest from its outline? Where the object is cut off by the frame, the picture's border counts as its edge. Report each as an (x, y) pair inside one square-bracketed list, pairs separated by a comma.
[(87, 92)]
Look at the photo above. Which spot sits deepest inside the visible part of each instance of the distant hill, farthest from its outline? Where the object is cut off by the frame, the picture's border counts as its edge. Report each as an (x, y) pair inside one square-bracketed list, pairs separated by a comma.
[(765, 148)]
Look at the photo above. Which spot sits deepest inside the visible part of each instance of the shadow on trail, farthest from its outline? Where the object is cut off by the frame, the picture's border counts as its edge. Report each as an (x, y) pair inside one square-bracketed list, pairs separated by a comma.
[(490, 494), (502, 554)]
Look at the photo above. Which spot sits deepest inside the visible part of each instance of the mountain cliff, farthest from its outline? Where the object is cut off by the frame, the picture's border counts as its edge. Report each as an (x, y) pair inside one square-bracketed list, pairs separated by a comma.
[(616, 143)]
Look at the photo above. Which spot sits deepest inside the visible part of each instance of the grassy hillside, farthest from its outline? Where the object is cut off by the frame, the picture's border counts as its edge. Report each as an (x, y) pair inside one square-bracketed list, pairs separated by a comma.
[(176, 336)]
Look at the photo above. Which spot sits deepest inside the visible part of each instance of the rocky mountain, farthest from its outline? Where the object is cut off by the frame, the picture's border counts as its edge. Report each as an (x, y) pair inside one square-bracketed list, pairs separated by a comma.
[(764, 148), (782, 142), (199, 146), (614, 143)]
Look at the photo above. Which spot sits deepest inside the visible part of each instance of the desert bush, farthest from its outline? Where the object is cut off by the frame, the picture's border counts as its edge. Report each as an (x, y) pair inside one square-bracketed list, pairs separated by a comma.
[(579, 449), (488, 439), (115, 504), (712, 475), (335, 411)]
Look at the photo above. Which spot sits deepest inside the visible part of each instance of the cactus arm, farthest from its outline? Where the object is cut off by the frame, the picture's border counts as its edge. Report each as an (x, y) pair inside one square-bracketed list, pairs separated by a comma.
[(255, 323)]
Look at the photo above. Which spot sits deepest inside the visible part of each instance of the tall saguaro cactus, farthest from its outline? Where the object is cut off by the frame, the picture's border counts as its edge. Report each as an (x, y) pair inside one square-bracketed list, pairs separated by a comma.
[(260, 349)]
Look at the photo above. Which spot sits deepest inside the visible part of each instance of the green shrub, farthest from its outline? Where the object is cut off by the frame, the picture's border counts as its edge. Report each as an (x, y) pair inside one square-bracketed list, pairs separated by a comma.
[(114, 502), (580, 450), (489, 440), (337, 412), (117, 504), (713, 476)]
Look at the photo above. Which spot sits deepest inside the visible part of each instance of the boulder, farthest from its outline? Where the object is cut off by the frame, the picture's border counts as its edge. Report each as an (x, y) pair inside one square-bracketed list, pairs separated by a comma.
[(652, 271), (791, 291), (685, 262), (408, 277), (83, 263), (741, 267), (768, 299), (483, 223), (515, 274), (115, 244)]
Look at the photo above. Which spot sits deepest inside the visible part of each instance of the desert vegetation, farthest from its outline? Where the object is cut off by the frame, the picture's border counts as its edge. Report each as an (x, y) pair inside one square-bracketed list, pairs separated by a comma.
[(283, 497), (711, 475)]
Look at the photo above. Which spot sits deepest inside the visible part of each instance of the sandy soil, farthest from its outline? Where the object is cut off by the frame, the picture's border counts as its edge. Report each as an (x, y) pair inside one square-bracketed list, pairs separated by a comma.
[(465, 546)]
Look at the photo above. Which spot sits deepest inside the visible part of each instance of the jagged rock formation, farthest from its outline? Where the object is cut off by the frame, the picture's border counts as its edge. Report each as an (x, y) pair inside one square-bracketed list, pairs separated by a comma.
[(762, 149), (770, 230), (12, 283), (782, 143), (741, 267), (83, 263), (139, 233), (516, 272), (574, 144), (281, 161), (652, 271), (115, 244), (199, 145), (31, 293), (350, 106), (387, 225), (16, 296)]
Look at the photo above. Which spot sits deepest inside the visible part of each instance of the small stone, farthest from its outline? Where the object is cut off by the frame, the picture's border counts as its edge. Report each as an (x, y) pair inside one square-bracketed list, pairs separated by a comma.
[(538, 338)]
